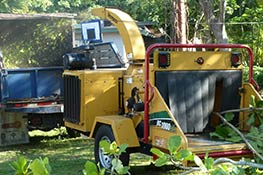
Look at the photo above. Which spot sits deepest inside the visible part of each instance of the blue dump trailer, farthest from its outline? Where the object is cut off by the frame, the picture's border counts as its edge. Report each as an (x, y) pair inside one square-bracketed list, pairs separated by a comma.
[(30, 98)]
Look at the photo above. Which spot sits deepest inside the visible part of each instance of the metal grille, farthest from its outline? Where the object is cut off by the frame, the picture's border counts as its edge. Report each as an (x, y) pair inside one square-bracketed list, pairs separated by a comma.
[(72, 93)]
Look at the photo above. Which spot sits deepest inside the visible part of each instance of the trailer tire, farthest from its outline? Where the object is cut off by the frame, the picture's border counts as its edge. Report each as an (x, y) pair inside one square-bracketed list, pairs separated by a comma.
[(105, 132)]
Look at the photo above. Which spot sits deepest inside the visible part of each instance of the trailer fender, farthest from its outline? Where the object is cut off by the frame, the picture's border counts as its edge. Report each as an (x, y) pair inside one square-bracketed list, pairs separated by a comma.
[(123, 129)]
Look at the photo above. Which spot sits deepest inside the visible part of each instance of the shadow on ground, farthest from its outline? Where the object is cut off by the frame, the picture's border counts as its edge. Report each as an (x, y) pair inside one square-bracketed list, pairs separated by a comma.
[(67, 156)]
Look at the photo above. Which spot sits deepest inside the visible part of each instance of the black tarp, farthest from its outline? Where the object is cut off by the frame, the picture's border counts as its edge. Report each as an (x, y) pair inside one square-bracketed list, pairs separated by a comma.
[(190, 95)]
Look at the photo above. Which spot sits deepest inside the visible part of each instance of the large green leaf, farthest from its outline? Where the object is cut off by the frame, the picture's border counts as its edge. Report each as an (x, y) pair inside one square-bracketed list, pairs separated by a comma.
[(209, 162), (106, 146), (122, 148), (252, 101), (184, 154), (21, 166), (229, 116), (221, 132), (157, 152), (90, 168), (118, 167), (251, 119), (38, 167), (174, 143), (161, 161)]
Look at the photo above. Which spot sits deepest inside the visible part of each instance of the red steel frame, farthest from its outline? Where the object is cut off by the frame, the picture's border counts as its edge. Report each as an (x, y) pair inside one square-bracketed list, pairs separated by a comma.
[(171, 46)]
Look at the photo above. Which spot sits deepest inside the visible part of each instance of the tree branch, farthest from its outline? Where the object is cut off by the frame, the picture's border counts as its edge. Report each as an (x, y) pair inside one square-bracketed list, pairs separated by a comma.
[(239, 133), (225, 160), (197, 23), (251, 109), (240, 162)]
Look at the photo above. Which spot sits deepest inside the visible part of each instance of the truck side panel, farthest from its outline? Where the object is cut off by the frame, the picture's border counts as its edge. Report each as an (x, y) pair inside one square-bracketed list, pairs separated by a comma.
[(31, 84)]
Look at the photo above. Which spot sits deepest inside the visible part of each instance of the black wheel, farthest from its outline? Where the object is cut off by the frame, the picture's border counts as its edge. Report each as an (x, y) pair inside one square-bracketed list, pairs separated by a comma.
[(105, 133), (72, 132)]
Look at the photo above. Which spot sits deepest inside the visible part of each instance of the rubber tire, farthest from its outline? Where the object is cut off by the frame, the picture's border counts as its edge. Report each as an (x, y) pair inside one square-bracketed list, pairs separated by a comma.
[(103, 132)]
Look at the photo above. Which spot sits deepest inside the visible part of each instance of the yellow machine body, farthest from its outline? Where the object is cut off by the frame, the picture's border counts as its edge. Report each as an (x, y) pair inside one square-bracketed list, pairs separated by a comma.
[(99, 95), (202, 74)]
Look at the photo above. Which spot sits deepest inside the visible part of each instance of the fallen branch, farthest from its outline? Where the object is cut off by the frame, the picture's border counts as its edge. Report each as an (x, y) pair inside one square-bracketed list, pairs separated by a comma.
[(222, 161), (251, 109), (240, 162), (239, 133)]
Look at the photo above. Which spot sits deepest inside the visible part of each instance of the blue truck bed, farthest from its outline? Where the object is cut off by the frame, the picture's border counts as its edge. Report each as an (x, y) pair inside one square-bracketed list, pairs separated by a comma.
[(32, 90)]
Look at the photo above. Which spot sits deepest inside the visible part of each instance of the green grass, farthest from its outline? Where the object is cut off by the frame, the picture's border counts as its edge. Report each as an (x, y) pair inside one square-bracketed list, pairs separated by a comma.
[(67, 156)]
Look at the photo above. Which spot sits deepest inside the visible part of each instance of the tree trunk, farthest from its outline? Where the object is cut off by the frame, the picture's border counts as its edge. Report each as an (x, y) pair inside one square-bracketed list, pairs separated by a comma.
[(182, 22), (179, 21), (216, 24), (173, 22)]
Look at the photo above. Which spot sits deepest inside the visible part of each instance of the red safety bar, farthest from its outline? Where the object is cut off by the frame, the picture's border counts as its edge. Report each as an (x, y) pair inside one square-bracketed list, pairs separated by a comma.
[(226, 153), (208, 46)]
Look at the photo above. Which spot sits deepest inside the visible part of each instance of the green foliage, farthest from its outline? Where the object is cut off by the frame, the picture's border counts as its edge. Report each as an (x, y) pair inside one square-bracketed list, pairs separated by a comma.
[(177, 156), (255, 116), (40, 167), (35, 42), (21, 166), (247, 22), (112, 148), (243, 25), (117, 167), (257, 75), (91, 168), (255, 122), (37, 6), (223, 132), (36, 167), (174, 144)]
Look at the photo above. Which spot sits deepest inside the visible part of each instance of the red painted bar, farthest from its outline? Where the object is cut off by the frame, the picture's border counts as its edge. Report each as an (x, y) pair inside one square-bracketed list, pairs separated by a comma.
[(226, 153)]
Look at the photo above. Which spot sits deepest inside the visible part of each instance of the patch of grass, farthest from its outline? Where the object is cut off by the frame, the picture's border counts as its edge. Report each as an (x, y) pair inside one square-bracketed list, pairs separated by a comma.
[(67, 156)]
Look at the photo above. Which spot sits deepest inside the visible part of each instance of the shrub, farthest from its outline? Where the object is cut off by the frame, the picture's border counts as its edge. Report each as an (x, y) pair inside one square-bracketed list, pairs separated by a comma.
[(258, 75)]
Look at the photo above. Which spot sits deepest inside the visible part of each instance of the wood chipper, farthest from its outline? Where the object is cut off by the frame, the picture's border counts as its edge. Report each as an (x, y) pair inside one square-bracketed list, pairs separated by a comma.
[(171, 89)]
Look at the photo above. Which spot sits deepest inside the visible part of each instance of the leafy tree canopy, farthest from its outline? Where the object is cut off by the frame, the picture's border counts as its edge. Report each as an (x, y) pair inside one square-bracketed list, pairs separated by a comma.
[(243, 18)]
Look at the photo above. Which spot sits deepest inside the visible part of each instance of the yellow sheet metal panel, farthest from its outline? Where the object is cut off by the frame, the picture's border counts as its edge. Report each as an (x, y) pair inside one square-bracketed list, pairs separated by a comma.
[(212, 147), (100, 94), (79, 127), (129, 31), (248, 90), (160, 129), (160, 137), (187, 60), (122, 127)]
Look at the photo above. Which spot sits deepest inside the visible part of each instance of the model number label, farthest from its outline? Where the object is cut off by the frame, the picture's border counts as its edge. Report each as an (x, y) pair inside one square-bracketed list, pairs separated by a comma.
[(163, 125)]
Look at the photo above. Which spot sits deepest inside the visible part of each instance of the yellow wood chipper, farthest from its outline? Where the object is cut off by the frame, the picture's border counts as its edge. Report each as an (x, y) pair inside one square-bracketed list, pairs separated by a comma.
[(166, 90)]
